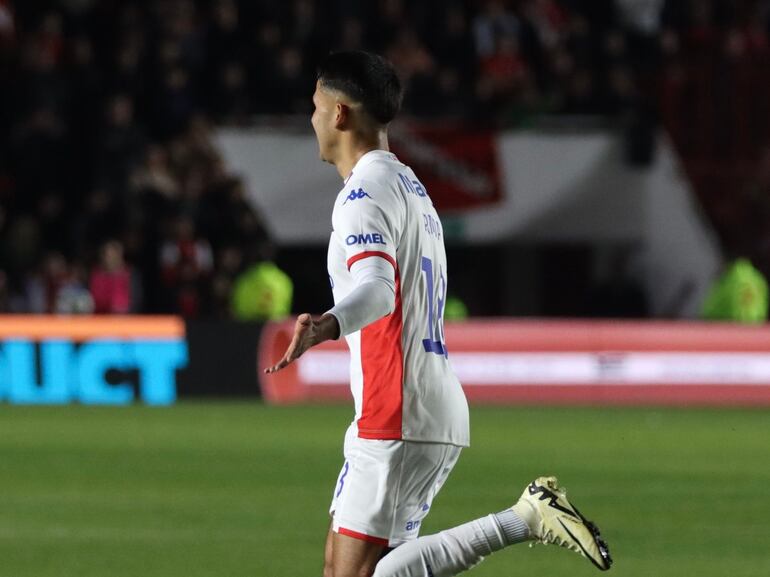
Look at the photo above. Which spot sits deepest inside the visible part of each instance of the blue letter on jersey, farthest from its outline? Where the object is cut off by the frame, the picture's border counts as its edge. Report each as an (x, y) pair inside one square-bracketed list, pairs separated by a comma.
[(368, 238)]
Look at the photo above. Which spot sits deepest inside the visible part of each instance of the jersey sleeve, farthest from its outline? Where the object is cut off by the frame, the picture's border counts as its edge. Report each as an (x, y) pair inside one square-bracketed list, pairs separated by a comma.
[(367, 220), (372, 299)]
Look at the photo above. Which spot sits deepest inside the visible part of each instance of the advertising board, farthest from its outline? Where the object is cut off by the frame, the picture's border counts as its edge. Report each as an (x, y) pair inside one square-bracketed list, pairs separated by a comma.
[(90, 360), (563, 362)]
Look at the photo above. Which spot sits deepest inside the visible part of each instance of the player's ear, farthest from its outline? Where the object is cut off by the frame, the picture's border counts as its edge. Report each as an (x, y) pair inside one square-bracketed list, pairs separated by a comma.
[(342, 115)]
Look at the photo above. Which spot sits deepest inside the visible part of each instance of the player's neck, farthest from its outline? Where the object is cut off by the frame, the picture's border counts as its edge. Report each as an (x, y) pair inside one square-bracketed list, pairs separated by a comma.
[(352, 151)]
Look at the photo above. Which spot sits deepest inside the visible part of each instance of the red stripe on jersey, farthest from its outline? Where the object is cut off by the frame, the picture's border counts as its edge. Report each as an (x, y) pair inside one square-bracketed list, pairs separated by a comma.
[(382, 364), (361, 255), (362, 536)]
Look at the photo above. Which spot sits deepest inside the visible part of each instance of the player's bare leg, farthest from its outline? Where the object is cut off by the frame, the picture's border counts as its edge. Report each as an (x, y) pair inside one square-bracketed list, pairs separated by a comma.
[(352, 557), (328, 553)]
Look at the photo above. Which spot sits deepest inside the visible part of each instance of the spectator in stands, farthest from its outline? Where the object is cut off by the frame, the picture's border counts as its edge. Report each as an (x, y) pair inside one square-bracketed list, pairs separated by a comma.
[(121, 147), (416, 66), (289, 79), (111, 284), (306, 33), (547, 22), (53, 220), (230, 101), (102, 217), (738, 295), (186, 262), (74, 296), (43, 286), (175, 102), (455, 310), (495, 23), (225, 42), (263, 292), (503, 74), (45, 79), (229, 264), (154, 176), (641, 22), (21, 247)]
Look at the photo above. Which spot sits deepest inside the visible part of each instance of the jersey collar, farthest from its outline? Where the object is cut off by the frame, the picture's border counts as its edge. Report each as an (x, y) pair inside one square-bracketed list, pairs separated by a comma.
[(370, 157)]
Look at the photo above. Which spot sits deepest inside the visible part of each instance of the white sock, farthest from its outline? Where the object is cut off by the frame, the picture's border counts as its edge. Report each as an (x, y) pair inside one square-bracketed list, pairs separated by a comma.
[(515, 526), (455, 550)]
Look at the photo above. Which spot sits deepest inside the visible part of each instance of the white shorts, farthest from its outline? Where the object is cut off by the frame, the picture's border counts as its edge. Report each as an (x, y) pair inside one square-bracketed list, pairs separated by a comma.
[(386, 488)]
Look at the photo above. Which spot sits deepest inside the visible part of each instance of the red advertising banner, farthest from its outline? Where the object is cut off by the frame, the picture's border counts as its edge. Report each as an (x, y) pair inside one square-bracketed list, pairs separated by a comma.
[(561, 362), (456, 165)]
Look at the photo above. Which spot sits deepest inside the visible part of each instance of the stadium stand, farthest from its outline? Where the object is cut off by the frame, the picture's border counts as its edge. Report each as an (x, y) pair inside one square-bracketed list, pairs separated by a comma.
[(108, 109)]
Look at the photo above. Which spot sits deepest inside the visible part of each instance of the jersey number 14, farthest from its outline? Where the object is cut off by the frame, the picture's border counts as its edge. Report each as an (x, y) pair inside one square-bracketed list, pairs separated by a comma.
[(435, 341)]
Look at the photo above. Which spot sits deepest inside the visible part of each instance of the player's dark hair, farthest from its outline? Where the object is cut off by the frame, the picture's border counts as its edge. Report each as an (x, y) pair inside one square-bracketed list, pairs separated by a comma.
[(365, 78)]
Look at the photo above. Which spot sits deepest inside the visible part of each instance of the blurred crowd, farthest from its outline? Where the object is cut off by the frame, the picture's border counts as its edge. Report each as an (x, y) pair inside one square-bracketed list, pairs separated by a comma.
[(113, 197), (124, 223)]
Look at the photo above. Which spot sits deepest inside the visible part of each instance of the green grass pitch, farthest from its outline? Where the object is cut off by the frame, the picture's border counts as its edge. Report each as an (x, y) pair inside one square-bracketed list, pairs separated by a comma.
[(241, 489)]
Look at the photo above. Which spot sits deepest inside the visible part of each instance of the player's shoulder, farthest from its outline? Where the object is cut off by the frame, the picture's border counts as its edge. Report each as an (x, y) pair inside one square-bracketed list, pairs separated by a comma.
[(372, 188), (369, 188)]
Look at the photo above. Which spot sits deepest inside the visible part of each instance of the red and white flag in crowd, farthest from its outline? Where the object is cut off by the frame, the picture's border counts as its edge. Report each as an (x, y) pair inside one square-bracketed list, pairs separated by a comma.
[(456, 164)]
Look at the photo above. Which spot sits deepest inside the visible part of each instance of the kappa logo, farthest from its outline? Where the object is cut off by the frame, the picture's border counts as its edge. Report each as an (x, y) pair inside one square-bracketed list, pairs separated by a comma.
[(356, 195)]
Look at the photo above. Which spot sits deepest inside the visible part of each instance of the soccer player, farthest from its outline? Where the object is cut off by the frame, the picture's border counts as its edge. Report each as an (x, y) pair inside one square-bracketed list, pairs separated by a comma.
[(388, 272)]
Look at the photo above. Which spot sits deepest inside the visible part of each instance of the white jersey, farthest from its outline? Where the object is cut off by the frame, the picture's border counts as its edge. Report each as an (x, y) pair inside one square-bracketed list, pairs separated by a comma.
[(402, 383)]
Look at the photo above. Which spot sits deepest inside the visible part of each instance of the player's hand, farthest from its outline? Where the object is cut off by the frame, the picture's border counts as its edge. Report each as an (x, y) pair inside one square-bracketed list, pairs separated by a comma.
[(307, 333)]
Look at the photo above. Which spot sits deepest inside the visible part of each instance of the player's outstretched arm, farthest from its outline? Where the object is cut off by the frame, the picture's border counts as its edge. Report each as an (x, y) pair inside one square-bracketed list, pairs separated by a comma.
[(307, 333)]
